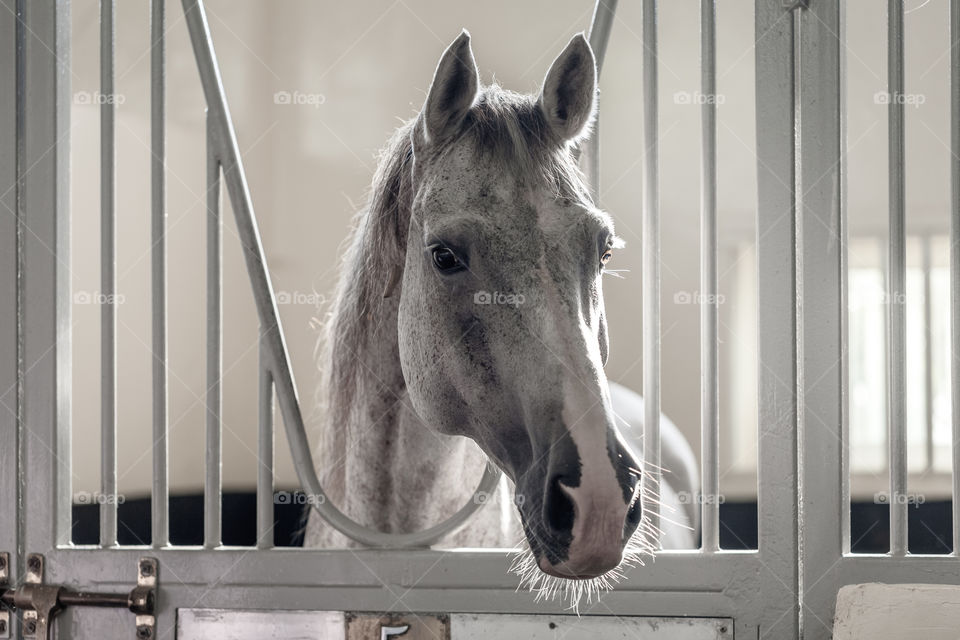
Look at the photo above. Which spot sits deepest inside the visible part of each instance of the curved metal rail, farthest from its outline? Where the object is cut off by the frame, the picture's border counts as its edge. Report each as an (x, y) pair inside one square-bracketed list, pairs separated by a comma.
[(275, 361)]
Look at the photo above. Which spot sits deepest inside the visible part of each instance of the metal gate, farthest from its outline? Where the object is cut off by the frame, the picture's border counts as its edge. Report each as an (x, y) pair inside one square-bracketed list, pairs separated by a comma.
[(774, 592)]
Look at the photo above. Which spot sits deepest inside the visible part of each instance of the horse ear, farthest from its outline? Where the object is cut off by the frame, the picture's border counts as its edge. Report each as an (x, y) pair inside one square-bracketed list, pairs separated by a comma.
[(453, 90), (569, 97)]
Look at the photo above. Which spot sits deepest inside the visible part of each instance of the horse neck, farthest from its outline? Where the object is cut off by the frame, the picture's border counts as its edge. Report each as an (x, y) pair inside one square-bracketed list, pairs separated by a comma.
[(378, 461), (382, 465)]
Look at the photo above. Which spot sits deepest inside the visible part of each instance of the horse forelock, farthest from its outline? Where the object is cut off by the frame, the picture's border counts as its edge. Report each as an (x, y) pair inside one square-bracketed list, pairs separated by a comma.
[(511, 129)]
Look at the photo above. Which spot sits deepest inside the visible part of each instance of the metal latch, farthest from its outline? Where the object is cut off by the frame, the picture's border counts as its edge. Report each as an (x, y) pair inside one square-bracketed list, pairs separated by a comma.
[(40, 603)]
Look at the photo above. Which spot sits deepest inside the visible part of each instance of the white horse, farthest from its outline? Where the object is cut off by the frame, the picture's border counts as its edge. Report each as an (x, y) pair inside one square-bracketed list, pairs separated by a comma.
[(469, 324)]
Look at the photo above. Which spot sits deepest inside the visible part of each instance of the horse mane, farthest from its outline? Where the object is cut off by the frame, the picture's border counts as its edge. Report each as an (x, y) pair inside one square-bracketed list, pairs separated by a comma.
[(360, 332)]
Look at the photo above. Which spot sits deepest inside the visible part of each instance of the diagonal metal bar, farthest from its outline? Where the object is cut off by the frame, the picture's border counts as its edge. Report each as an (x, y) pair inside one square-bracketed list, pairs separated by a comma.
[(276, 357)]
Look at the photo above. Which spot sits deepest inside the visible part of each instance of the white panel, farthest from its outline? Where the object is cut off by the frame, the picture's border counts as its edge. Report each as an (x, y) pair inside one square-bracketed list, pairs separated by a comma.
[(888, 611), (227, 624), (572, 627), (224, 624)]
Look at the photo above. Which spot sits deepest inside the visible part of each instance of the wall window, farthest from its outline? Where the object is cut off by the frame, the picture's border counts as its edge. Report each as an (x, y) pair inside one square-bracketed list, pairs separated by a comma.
[(927, 364)]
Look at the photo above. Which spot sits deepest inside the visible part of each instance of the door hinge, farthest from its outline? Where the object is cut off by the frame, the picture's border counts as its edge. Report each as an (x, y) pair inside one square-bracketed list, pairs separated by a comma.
[(40, 602)]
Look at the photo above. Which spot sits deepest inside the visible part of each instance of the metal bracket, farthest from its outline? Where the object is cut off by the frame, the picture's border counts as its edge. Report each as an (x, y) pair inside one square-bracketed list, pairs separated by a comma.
[(40, 603), (143, 599), (4, 581)]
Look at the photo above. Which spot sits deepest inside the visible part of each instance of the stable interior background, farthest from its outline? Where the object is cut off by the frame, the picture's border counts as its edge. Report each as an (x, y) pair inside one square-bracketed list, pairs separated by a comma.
[(315, 89)]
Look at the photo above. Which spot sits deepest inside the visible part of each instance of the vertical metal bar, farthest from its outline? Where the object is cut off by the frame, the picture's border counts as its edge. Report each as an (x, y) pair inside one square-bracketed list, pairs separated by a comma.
[(776, 242), (108, 282), (821, 263), (212, 507), (600, 27), (160, 490), (800, 117), (44, 301), (709, 310), (896, 285), (955, 260), (927, 356), (11, 30), (265, 452), (844, 284), (651, 266)]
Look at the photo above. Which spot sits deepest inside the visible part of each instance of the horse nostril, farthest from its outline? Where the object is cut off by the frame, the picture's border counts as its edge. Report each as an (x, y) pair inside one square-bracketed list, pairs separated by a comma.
[(558, 507), (634, 515)]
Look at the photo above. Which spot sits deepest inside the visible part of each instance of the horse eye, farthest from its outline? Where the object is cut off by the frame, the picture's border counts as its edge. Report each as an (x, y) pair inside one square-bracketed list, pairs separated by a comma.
[(605, 258), (445, 260)]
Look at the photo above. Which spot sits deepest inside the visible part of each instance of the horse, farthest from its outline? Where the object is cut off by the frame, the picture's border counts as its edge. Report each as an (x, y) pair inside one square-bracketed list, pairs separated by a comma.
[(468, 325)]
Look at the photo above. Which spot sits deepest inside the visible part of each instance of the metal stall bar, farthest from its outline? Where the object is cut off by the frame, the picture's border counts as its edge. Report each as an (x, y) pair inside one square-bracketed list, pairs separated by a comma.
[(709, 310), (11, 27), (896, 285), (44, 295), (651, 269), (955, 259), (820, 226), (841, 204), (212, 491), (108, 284), (265, 437), (777, 59), (276, 357), (599, 35), (927, 356), (160, 490)]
